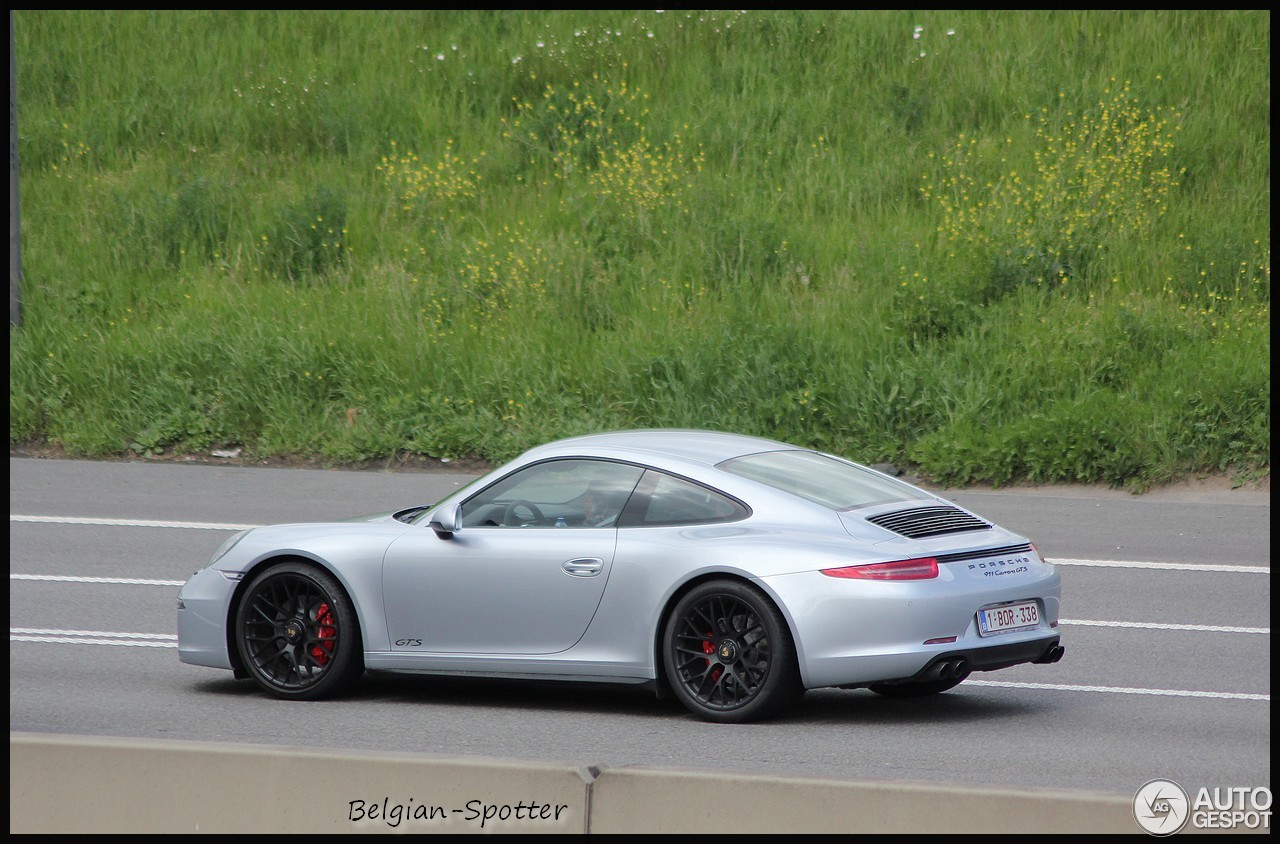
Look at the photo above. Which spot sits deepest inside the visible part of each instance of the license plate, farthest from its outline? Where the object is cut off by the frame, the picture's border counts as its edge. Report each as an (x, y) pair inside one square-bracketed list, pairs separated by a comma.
[(1008, 618)]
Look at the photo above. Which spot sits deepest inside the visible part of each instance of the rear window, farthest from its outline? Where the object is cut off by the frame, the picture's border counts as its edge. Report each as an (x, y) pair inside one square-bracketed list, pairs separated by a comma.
[(825, 480), (675, 501)]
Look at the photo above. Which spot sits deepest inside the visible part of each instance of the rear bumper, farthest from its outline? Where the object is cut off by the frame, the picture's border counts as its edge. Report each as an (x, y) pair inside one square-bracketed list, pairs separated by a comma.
[(993, 658), (853, 633), (957, 665), (962, 663)]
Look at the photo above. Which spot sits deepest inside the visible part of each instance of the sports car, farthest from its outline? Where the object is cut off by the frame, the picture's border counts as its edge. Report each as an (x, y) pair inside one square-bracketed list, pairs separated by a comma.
[(729, 571)]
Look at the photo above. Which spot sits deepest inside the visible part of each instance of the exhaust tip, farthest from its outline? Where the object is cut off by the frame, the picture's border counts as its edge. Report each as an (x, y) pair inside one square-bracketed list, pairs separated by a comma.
[(952, 669), (1052, 655)]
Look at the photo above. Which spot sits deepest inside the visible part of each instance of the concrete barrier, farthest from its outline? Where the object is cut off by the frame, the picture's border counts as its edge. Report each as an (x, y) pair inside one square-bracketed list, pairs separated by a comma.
[(106, 785), (76, 784), (632, 800)]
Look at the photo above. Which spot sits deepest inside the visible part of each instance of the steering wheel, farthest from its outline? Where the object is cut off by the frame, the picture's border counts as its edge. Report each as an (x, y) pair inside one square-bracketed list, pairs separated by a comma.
[(511, 517)]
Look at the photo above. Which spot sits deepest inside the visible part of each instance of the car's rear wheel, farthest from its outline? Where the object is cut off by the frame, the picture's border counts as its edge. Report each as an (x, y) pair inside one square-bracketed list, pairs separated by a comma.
[(297, 632), (918, 688), (729, 655)]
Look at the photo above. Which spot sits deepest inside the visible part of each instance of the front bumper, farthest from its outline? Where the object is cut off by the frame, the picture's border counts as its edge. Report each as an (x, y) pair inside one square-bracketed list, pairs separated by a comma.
[(203, 604)]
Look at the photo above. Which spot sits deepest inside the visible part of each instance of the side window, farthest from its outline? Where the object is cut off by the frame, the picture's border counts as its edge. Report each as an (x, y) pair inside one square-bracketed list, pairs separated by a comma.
[(555, 494), (664, 499)]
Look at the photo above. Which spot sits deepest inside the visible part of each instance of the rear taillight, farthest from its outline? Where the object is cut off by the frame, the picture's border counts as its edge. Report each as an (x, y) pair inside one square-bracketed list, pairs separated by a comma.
[(920, 568)]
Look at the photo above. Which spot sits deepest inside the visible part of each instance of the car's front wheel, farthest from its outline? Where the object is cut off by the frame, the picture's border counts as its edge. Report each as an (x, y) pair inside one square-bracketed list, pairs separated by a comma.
[(728, 654), (297, 632)]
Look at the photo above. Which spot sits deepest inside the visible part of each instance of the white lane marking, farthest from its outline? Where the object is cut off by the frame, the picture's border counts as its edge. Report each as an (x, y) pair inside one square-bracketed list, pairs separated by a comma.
[(66, 578), (1127, 564), (81, 520), (78, 641), (1137, 625), (1145, 625), (161, 640), (1059, 687), (93, 637), (1131, 564), (101, 634)]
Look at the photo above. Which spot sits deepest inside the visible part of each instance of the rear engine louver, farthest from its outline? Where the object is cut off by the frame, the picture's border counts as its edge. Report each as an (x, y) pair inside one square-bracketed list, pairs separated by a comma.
[(929, 521)]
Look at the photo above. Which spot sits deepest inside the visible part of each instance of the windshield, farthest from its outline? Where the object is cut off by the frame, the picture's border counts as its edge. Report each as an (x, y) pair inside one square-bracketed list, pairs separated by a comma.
[(825, 480)]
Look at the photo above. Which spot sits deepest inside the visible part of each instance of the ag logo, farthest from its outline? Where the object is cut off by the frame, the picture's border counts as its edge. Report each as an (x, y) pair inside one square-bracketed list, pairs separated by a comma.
[(1161, 807)]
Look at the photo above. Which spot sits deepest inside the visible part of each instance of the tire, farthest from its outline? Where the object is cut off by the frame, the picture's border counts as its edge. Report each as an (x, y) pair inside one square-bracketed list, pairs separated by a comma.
[(297, 633), (728, 654), (920, 688)]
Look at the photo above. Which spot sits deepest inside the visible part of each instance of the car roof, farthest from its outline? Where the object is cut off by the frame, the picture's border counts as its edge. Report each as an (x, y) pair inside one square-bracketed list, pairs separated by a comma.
[(694, 446)]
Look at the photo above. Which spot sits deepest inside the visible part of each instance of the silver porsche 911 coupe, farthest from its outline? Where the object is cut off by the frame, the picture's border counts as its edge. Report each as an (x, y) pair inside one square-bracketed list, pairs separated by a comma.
[(730, 571)]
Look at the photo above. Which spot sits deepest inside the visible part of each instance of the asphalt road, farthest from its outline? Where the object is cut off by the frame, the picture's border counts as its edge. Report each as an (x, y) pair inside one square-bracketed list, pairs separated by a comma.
[(1166, 623)]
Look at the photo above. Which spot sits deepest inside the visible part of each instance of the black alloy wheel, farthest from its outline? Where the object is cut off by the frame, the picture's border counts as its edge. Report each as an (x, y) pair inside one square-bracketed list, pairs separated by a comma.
[(729, 655), (297, 632)]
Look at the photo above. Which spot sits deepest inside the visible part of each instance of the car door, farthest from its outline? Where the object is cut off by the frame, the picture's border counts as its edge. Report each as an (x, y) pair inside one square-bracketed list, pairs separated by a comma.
[(524, 574)]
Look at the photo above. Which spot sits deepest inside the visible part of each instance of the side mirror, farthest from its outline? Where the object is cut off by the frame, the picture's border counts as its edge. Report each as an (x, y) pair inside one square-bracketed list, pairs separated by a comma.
[(446, 521)]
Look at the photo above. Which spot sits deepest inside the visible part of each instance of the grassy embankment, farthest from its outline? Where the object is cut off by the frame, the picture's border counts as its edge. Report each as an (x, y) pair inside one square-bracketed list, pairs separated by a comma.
[(994, 246)]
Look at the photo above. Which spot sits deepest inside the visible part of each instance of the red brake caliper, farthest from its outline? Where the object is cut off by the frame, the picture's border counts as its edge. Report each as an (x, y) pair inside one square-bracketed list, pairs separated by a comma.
[(709, 647), (324, 618)]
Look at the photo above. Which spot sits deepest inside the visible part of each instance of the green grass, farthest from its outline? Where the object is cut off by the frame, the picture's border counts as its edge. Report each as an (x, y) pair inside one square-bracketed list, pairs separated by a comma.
[(994, 246)]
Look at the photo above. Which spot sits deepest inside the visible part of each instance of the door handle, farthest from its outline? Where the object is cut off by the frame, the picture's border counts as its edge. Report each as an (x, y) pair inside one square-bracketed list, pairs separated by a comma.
[(584, 567)]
